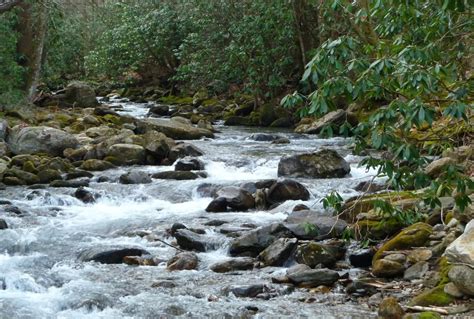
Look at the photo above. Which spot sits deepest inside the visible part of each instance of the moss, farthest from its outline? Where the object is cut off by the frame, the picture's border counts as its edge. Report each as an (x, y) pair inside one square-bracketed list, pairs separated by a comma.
[(423, 315), (415, 235), (448, 217), (63, 119), (77, 127), (443, 268), (116, 120), (374, 229), (432, 297), (29, 167), (114, 160), (209, 102)]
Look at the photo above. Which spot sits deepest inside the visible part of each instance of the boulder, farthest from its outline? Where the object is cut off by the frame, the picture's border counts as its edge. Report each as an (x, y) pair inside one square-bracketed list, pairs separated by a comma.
[(127, 154), (160, 110), (436, 167), (80, 94), (278, 252), (183, 150), (70, 183), (310, 278), (189, 240), (463, 277), (335, 119), (174, 129), (322, 164), (309, 224), (462, 249), (84, 195), (189, 164), (177, 175), (135, 177), (231, 197), (158, 145), (264, 137), (255, 241), (113, 255), (314, 254), (40, 139), (183, 261), (25, 177), (239, 263), (287, 189)]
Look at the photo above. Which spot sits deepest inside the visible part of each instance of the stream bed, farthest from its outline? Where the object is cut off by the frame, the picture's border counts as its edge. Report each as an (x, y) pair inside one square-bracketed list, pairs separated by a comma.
[(42, 277)]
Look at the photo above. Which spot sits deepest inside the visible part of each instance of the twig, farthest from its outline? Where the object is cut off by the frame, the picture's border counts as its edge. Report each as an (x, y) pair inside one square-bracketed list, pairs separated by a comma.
[(434, 309), (164, 242)]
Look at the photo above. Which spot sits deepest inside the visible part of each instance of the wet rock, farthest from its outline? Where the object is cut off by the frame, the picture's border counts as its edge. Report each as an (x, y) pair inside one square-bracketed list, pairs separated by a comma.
[(463, 277), (282, 140), (157, 145), (247, 291), (141, 261), (189, 240), (362, 287), (416, 271), (174, 129), (84, 195), (255, 241), (239, 263), (415, 235), (387, 268), (127, 154), (334, 119), (96, 165), (208, 190), (286, 190), (313, 277), (110, 255), (3, 224), (135, 177), (215, 222), (183, 150), (40, 139), (314, 254), (189, 164), (390, 309), (71, 183), (278, 252), (308, 224), (24, 177), (48, 175), (176, 175), (183, 261), (175, 227), (362, 257), (462, 249), (160, 110), (322, 164), (231, 197), (300, 207), (264, 137)]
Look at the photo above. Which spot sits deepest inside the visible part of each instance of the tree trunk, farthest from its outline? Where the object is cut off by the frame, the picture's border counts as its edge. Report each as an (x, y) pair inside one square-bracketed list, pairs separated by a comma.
[(32, 27), (306, 17), (7, 5)]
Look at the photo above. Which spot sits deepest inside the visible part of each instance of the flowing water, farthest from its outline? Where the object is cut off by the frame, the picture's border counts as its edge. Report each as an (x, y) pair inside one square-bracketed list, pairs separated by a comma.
[(41, 276)]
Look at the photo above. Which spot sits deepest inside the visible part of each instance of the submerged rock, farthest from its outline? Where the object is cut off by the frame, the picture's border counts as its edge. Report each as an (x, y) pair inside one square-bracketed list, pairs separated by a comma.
[(322, 164), (235, 198), (110, 255), (177, 175), (135, 177), (183, 261), (239, 263), (84, 195), (3, 224)]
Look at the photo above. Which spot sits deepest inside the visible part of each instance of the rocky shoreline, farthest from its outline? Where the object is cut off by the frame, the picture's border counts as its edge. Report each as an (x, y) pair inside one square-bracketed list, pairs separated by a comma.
[(428, 266)]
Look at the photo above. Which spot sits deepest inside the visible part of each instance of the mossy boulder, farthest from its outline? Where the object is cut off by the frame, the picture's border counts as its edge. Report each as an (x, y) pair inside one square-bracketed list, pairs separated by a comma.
[(415, 235), (313, 254), (239, 121), (432, 297), (171, 99), (26, 177), (127, 154), (49, 175), (29, 167), (96, 165), (390, 309), (387, 268)]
